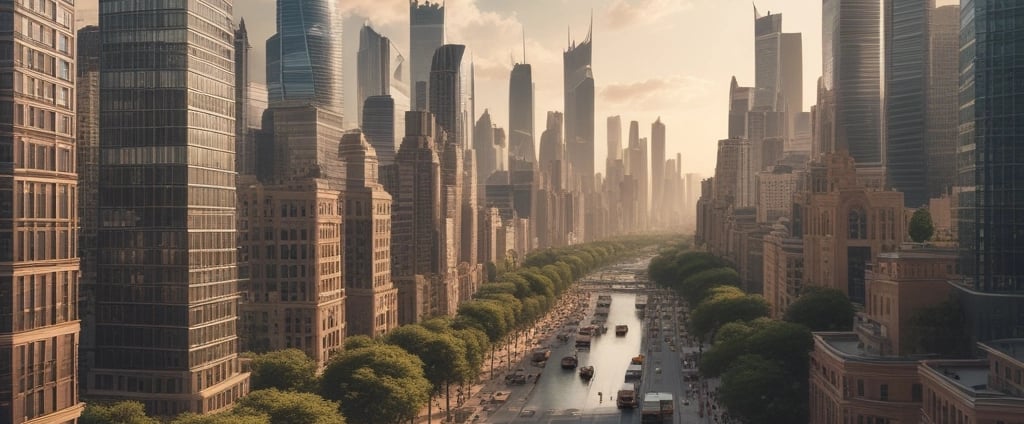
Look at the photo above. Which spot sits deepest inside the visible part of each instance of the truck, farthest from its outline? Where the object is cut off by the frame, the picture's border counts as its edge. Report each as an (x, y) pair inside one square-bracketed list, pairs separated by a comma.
[(634, 373), (540, 355), (657, 408), (626, 397)]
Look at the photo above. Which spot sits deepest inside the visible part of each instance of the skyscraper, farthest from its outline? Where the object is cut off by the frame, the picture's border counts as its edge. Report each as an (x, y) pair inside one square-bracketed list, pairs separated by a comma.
[(446, 101), (426, 35), (579, 110), (39, 266), (778, 60), (304, 56), (379, 126), (87, 146), (483, 145), (943, 102), (614, 140), (658, 194), (417, 219), (373, 68), (850, 94), (371, 296), (906, 100), (167, 274), (244, 148), (990, 171), (520, 114)]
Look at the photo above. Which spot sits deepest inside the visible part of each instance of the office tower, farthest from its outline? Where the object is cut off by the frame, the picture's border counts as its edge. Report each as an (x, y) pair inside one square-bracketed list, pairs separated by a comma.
[(552, 151), (304, 56), (87, 149), (371, 296), (658, 171), (943, 102), (373, 67), (520, 114), (988, 206), (636, 159), (304, 142), (242, 124), (614, 140), (906, 105), (446, 100), (731, 168), (579, 110), (426, 35), (167, 276), (741, 100), (379, 126), (39, 262), (778, 66), (417, 220), (484, 146), (849, 92)]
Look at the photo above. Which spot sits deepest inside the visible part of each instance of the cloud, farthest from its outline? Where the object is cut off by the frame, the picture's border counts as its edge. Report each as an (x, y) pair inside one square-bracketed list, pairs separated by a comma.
[(656, 93), (626, 13)]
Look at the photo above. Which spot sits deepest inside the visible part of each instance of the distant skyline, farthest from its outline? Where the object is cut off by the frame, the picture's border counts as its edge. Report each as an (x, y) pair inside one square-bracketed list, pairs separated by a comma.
[(667, 58)]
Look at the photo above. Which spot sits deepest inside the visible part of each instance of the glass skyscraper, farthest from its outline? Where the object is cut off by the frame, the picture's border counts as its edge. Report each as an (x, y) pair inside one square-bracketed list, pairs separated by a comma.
[(991, 167), (850, 84), (426, 35), (304, 57), (520, 114), (906, 89), (579, 110), (167, 289)]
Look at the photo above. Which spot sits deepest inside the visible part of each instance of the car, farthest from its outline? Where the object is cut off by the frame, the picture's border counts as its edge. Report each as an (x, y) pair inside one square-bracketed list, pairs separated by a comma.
[(657, 370)]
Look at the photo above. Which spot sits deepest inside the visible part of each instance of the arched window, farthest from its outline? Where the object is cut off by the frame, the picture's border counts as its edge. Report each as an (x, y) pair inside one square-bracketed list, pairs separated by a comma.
[(858, 224)]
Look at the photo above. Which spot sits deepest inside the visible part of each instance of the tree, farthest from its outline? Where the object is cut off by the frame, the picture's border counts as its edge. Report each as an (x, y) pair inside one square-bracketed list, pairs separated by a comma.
[(757, 390), (921, 227), (379, 384), (124, 412), (288, 369), (785, 342), (822, 309), (725, 305), (484, 315), (938, 329), (359, 341), (289, 407), (697, 287), (222, 418)]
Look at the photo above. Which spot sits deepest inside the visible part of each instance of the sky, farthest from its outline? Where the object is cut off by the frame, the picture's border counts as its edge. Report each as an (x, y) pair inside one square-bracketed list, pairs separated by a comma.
[(671, 59)]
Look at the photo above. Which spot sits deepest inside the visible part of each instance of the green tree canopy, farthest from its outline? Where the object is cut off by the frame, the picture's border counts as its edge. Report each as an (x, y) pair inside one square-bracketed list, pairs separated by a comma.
[(921, 227), (781, 341), (822, 309), (696, 288), (288, 369), (380, 384), (124, 412), (359, 341), (289, 407), (724, 305), (222, 418), (757, 390)]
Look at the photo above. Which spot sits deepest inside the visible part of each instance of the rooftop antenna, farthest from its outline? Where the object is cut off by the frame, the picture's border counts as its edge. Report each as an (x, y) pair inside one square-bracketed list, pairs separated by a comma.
[(524, 43)]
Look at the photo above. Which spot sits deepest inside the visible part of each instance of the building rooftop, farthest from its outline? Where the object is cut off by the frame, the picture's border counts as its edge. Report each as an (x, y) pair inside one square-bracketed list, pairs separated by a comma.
[(967, 375), (847, 345), (1013, 348), (920, 253)]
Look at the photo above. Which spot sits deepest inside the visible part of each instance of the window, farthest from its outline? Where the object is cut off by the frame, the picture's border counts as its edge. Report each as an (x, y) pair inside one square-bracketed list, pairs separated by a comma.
[(883, 392), (860, 387), (915, 393), (858, 223)]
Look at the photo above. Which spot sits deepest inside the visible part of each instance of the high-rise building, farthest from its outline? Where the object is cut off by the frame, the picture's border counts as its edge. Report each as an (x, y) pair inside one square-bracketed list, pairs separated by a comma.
[(371, 296), (426, 35), (373, 67), (379, 126), (304, 56), (483, 145), (906, 101), (167, 290), (39, 262), (943, 99), (520, 114), (988, 209), (579, 110), (778, 60), (658, 172), (614, 140), (243, 150), (636, 160), (849, 92), (87, 146), (446, 101), (417, 218), (741, 99)]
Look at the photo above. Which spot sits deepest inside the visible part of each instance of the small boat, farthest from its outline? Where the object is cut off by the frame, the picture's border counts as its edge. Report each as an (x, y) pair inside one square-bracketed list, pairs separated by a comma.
[(569, 362), (587, 372)]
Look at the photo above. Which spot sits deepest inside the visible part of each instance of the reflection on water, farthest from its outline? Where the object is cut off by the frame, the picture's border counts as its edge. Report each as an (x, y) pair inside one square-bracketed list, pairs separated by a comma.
[(562, 390)]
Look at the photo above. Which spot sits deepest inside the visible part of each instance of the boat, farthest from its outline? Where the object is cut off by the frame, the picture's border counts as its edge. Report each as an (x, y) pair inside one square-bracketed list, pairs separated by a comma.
[(569, 362), (587, 372), (620, 330)]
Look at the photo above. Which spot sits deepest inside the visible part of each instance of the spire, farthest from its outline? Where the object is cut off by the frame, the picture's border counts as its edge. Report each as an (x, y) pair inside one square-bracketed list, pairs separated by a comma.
[(524, 43), (590, 31), (756, 15), (241, 26)]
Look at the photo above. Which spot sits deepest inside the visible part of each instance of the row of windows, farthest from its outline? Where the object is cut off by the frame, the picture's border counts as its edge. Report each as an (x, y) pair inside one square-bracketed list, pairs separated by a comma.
[(43, 244), (38, 118), (39, 300), (46, 201)]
